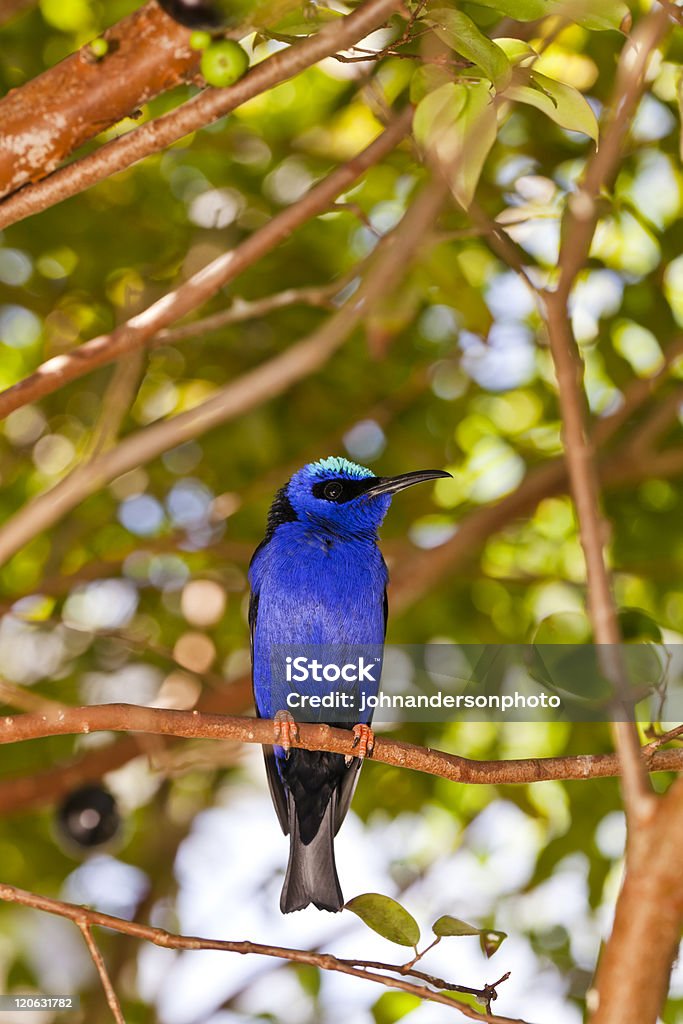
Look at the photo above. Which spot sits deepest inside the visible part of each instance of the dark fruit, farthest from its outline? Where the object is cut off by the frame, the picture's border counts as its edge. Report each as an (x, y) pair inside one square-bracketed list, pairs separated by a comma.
[(223, 63), (89, 817), (208, 14)]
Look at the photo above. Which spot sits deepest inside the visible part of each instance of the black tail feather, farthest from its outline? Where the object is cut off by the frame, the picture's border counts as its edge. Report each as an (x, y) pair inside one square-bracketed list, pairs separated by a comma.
[(311, 872)]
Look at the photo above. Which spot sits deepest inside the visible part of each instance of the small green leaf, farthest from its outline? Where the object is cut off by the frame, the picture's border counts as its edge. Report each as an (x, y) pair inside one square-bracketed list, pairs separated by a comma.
[(457, 124), (561, 103), (392, 1006), (490, 941), (517, 50), (427, 78), (438, 110), (596, 15), (462, 35), (387, 917), (448, 925), (519, 10)]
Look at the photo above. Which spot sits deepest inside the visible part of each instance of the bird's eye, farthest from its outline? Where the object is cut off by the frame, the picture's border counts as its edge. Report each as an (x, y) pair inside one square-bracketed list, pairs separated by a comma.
[(332, 490)]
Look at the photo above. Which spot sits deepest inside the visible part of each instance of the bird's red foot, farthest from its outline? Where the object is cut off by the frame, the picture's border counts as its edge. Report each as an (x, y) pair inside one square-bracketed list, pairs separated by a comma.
[(286, 731), (364, 739)]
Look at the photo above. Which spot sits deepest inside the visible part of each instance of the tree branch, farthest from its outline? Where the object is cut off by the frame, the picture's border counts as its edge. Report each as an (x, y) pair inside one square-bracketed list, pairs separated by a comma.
[(630, 987), (319, 296), (580, 224), (70, 721), (98, 960), (198, 112), (583, 208), (583, 477), (137, 331), (234, 399), (56, 112), (324, 961)]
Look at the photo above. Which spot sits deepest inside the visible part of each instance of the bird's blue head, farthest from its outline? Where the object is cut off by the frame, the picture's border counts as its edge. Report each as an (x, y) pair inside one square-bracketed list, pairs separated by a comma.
[(340, 497)]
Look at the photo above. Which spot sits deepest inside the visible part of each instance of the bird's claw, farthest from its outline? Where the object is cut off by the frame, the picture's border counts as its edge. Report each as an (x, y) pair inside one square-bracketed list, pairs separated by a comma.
[(364, 739), (285, 731)]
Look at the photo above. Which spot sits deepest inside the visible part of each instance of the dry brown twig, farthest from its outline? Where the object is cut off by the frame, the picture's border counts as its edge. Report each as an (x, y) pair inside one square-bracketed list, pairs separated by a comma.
[(369, 970), (83, 923)]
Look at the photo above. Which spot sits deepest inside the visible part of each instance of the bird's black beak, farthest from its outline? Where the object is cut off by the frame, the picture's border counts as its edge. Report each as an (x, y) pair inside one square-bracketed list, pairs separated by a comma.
[(392, 484)]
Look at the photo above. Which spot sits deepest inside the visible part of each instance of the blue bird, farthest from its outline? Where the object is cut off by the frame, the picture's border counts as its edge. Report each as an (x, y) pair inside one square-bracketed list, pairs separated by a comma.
[(318, 577)]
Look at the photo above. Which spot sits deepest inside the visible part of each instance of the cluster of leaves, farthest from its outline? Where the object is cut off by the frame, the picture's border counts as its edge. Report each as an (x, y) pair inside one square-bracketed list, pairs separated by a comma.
[(390, 919)]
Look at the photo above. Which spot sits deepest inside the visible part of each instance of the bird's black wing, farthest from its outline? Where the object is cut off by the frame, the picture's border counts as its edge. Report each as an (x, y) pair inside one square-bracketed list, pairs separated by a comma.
[(348, 784), (277, 791)]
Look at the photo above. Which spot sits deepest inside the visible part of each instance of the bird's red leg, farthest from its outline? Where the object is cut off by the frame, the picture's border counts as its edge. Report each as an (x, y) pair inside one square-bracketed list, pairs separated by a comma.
[(286, 731), (364, 739)]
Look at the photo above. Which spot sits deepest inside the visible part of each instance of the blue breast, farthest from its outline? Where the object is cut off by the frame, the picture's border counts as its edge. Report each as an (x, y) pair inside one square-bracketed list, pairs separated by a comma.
[(316, 590)]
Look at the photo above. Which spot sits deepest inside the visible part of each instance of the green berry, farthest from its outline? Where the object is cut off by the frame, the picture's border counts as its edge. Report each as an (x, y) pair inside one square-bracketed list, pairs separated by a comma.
[(223, 63), (99, 47), (200, 40)]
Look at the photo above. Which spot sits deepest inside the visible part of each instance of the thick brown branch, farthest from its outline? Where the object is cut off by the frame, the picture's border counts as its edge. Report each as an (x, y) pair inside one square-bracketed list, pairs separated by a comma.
[(55, 113), (211, 105), (368, 970), (197, 725), (137, 331), (630, 987)]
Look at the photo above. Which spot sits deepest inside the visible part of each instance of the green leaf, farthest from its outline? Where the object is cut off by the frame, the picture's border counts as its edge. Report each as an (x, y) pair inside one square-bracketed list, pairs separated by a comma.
[(561, 103), (517, 50), (448, 925), (519, 10), (427, 78), (438, 110), (387, 917), (457, 124), (462, 35), (490, 941), (597, 15), (393, 1006)]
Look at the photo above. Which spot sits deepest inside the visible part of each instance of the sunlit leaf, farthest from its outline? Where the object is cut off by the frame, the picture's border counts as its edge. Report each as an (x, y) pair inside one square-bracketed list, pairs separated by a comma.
[(490, 941), (457, 125), (462, 35), (592, 14), (561, 103), (447, 925), (393, 1006), (386, 917)]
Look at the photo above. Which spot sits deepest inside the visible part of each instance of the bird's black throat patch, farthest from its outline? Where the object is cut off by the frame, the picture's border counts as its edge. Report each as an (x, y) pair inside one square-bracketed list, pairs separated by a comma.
[(281, 511)]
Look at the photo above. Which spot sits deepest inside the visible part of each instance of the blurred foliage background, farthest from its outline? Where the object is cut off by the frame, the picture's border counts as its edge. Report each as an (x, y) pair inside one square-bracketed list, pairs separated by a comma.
[(139, 595)]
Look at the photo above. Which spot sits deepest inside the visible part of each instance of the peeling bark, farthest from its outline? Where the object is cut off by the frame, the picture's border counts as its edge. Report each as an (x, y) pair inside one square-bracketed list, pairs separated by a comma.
[(46, 119)]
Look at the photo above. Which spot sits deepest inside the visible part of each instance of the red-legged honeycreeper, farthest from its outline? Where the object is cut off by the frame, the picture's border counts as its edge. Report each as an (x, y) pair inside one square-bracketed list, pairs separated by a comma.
[(318, 578)]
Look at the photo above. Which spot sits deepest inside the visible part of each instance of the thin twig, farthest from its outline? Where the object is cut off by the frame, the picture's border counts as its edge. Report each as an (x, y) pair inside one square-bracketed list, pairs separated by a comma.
[(98, 960), (323, 961), (319, 296)]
